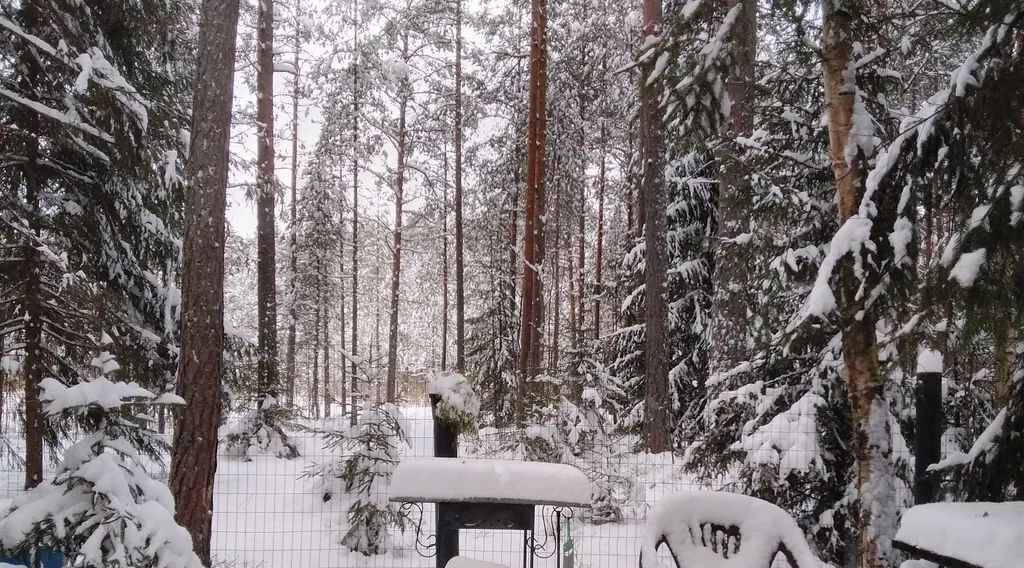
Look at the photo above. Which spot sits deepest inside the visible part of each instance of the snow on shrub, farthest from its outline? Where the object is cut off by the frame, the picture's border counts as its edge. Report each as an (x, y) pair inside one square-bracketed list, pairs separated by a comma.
[(101, 508), (459, 406), (371, 455), (261, 430)]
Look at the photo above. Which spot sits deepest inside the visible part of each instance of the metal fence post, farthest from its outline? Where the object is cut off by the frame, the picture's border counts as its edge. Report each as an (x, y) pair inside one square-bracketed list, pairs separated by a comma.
[(446, 445), (927, 434)]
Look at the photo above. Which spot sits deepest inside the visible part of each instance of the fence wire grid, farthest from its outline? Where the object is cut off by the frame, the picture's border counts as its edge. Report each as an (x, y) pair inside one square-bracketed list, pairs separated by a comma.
[(268, 514)]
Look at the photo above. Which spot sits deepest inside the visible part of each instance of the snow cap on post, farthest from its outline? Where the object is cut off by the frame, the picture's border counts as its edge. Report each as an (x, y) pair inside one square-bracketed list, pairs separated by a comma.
[(929, 361)]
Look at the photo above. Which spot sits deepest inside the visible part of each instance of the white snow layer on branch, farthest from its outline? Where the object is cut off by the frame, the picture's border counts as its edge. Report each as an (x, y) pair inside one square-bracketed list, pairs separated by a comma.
[(102, 392), (982, 534), (789, 441), (967, 267), (855, 233), (57, 115), (985, 444)]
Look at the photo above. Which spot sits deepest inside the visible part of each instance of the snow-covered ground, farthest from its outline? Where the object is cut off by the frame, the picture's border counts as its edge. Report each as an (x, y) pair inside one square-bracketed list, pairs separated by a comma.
[(267, 515)]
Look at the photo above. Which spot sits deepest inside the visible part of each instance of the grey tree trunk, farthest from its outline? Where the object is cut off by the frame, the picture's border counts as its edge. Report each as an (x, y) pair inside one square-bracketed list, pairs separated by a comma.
[(396, 258), (729, 328), (266, 235)]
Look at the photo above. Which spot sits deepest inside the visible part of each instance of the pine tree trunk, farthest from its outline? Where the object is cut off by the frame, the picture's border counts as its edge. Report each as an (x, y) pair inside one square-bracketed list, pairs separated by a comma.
[(444, 268), (599, 253), (396, 258), (556, 283), (327, 353), (266, 265), (860, 352), (460, 262), (194, 455), (314, 401), (292, 268), (533, 229), (343, 399), (729, 328), (657, 424), (355, 208), (581, 253), (33, 365)]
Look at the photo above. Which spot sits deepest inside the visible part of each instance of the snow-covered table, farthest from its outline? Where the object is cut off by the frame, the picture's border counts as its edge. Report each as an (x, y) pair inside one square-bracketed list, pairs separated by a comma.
[(490, 494), (964, 535)]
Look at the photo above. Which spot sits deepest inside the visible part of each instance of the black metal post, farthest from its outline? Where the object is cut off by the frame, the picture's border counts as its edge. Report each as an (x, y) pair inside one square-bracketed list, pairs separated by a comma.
[(927, 434), (446, 445)]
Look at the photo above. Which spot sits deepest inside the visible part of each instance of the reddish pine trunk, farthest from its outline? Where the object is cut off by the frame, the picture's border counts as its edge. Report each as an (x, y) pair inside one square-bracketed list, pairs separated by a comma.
[(355, 207), (444, 269), (533, 232), (266, 265), (194, 456), (657, 424), (460, 266)]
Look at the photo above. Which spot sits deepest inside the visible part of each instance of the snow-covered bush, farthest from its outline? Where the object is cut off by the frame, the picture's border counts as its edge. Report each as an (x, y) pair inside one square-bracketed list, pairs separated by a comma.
[(371, 448), (101, 508), (261, 430), (459, 404)]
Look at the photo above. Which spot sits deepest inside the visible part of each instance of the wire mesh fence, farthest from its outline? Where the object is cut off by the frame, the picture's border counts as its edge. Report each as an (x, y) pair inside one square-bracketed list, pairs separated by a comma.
[(270, 512)]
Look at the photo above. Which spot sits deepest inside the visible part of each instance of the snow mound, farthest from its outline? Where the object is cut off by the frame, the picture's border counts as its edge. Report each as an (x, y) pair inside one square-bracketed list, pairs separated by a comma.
[(763, 528)]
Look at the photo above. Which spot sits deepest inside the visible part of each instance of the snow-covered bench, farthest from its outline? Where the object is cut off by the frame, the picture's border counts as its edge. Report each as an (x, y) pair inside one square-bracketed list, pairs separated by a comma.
[(964, 535), (723, 530)]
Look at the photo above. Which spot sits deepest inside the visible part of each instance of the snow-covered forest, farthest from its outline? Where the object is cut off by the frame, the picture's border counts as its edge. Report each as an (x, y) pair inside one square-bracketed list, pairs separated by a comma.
[(677, 244)]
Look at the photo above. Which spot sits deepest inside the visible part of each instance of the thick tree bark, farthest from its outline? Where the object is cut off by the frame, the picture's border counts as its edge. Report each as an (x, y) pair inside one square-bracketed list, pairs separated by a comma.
[(581, 228), (533, 231), (599, 253), (729, 329), (866, 385), (34, 368), (314, 402), (292, 268), (343, 398), (355, 208), (556, 284), (444, 268), (396, 258), (327, 352), (460, 261), (266, 235), (194, 455), (657, 426)]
